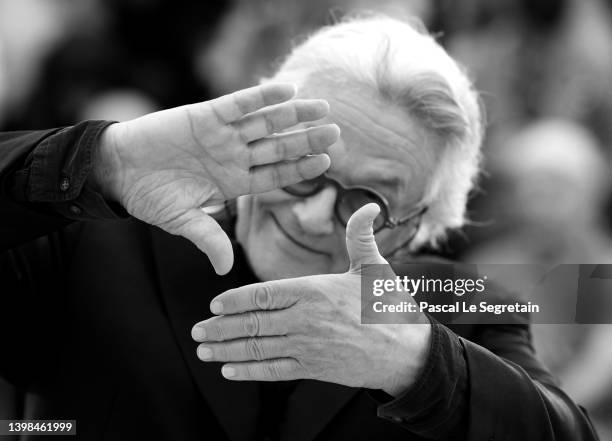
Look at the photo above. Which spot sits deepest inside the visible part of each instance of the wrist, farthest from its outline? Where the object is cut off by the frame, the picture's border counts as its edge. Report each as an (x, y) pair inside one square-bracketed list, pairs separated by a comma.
[(413, 361), (104, 177)]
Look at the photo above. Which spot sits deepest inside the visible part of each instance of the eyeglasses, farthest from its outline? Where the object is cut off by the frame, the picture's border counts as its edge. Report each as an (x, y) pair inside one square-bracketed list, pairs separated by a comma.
[(349, 200)]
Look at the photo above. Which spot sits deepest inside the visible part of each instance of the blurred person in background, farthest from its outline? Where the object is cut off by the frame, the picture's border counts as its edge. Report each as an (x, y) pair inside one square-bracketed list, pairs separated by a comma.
[(29, 30), (135, 51), (530, 60), (254, 35), (555, 178), (540, 59)]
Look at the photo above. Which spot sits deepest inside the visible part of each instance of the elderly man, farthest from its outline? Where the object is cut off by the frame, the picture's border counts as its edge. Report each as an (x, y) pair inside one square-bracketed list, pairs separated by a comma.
[(98, 315)]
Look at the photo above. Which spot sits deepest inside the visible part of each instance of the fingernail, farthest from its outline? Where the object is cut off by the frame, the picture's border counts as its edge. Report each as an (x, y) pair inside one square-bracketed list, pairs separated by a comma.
[(198, 333), (205, 353), (216, 307), (228, 372)]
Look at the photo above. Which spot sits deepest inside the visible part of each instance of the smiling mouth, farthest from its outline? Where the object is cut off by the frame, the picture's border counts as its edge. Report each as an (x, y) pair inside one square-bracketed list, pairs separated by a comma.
[(292, 239)]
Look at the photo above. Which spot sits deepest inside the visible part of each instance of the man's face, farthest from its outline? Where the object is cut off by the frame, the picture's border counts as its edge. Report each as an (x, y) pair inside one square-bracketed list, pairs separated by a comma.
[(380, 147)]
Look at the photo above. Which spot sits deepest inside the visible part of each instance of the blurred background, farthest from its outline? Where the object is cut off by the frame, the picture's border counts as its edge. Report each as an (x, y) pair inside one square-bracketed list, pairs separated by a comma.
[(544, 68)]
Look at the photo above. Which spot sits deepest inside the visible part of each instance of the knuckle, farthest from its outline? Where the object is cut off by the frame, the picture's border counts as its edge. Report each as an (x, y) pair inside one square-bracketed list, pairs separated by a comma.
[(250, 323), (269, 121), (280, 148), (311, 140), (215, 332), (276, 178), (358, 238), (216, 113), (220, 352), (303, 369), (299, 109), (272, 370), (212, 333), (252, 157), (300, 145), (293, 368), (219, 329), (266, 326), (242, 137), (250, 371), (240, 102), (253, 349), (297, 347), (262, 296), (300, 170)]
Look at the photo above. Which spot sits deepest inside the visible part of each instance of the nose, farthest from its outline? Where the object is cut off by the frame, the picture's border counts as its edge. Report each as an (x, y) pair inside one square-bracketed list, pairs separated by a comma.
[(315, 214)]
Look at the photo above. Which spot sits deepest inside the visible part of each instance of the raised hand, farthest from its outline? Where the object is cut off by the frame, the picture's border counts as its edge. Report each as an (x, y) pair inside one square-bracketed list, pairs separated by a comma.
[(310, 327), (165, 166)]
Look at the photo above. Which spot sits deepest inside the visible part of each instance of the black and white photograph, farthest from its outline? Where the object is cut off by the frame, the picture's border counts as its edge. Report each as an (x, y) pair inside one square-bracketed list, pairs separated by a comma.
[(288, 220)]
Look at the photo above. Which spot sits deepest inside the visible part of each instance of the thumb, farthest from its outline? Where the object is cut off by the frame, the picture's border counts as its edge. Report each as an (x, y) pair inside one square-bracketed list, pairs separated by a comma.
[(360, 242), (205, 233)]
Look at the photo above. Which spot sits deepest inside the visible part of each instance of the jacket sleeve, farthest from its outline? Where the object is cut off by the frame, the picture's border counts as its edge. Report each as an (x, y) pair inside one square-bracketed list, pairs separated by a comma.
[(43, 188), (43, 178), (512, 396), (489, 388)]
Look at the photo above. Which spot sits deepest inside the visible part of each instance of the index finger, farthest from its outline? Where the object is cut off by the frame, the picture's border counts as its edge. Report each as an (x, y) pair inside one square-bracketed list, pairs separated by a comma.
[(255, 297), (234, 106)]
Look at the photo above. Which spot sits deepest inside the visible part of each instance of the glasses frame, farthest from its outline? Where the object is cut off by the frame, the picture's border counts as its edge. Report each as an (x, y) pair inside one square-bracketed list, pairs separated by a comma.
[(390, 221)]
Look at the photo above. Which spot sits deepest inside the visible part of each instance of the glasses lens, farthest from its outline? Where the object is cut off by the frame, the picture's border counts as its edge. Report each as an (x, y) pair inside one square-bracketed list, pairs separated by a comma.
[(304, 188), (354, 199)]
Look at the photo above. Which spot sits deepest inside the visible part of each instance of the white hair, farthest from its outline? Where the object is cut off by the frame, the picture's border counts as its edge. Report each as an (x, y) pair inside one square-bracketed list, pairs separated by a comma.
[(406, 67)]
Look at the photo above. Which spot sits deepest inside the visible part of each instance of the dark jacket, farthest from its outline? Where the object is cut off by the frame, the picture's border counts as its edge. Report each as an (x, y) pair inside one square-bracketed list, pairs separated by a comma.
[(95, 318)]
